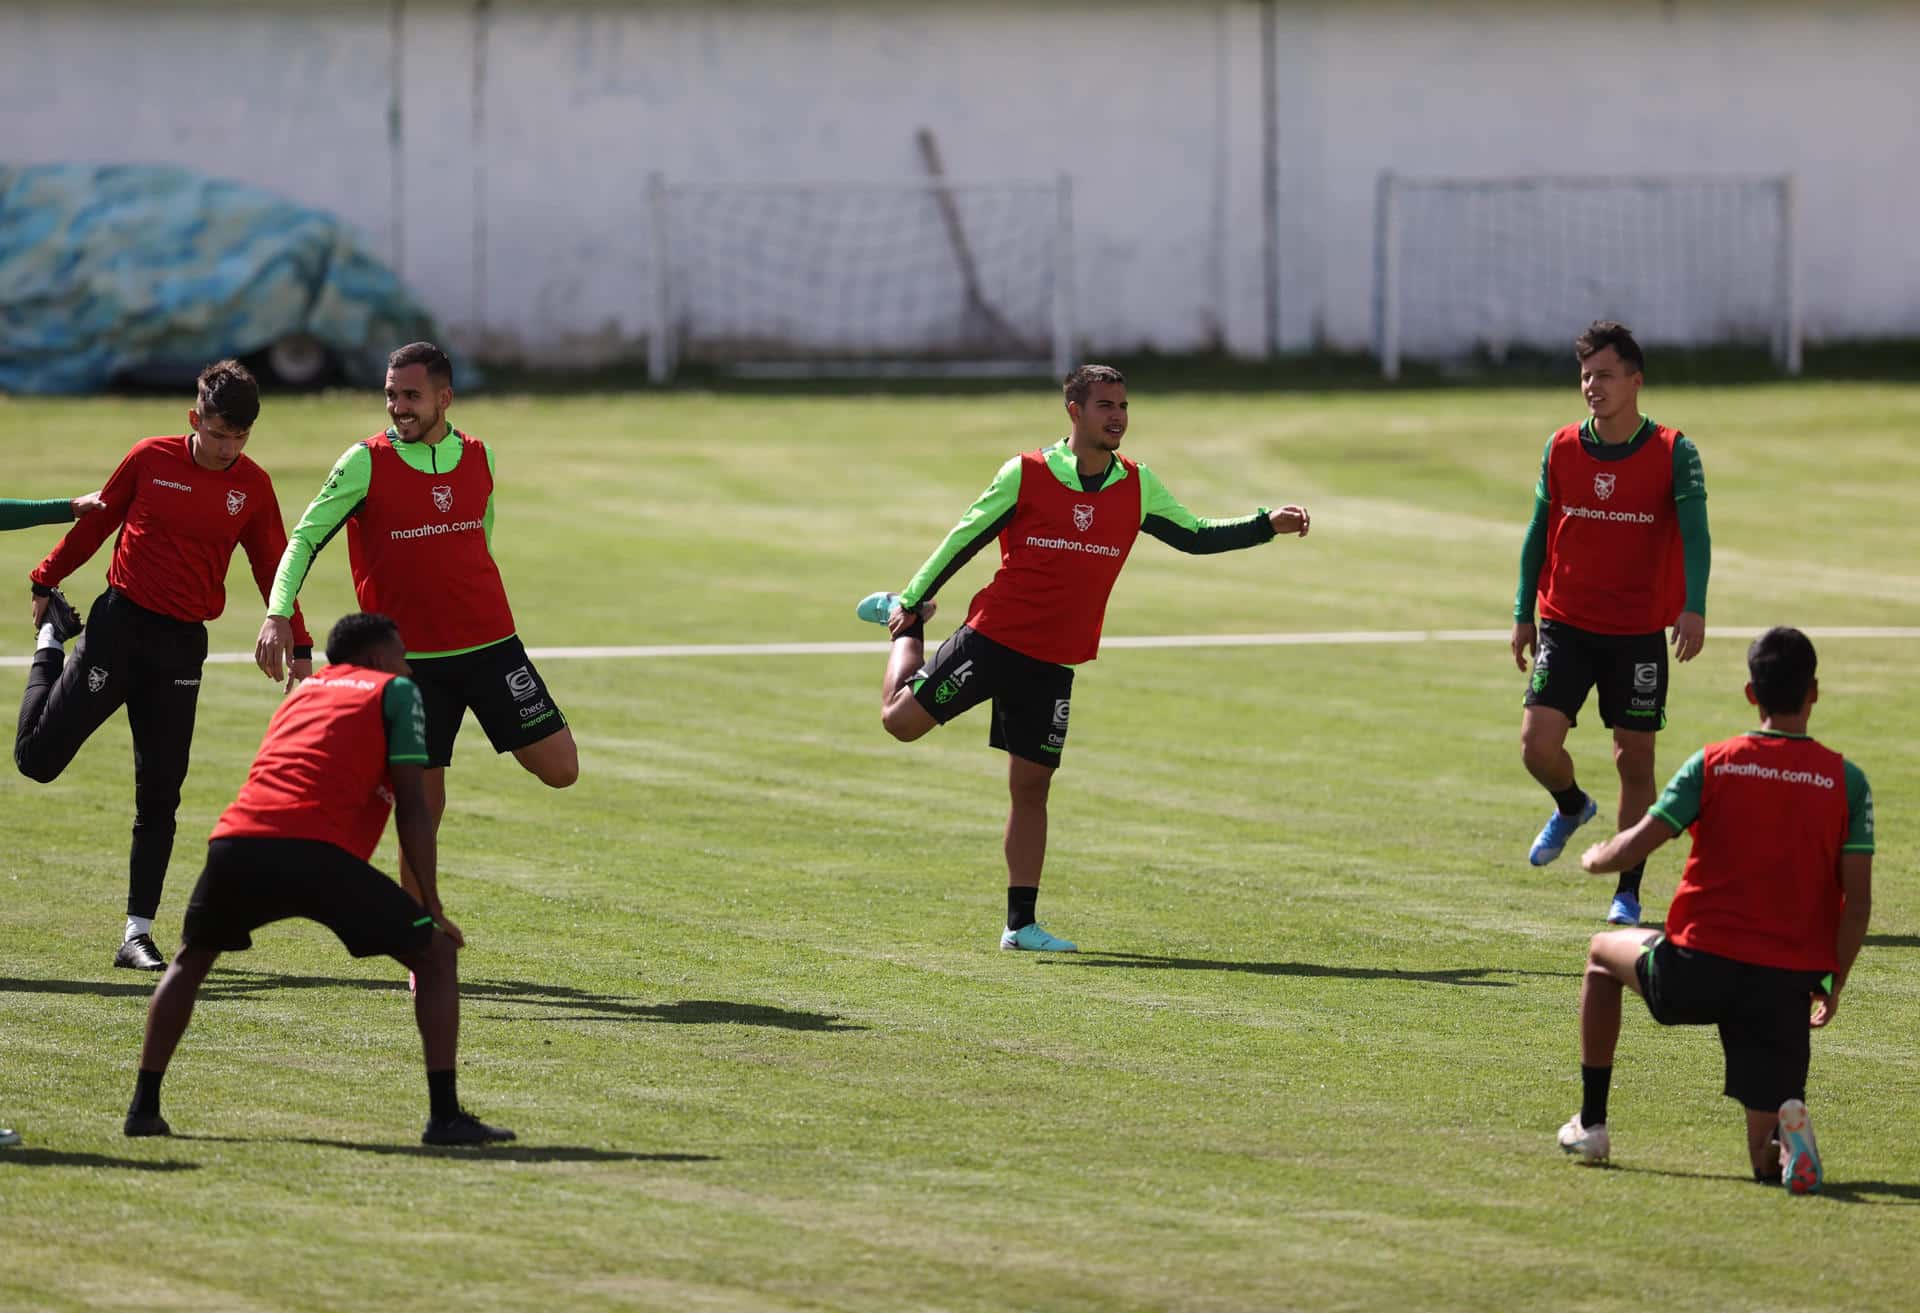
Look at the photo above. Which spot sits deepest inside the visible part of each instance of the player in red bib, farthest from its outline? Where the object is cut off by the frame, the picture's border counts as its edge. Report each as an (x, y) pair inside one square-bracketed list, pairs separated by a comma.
[(1066, 517), (417, 504), (1618, 550), (182, 505), (1771, 912), (343, 751)]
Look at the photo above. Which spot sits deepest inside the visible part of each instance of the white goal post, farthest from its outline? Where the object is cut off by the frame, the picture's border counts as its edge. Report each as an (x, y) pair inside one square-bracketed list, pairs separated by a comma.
[(1467, 266), (934, 277)]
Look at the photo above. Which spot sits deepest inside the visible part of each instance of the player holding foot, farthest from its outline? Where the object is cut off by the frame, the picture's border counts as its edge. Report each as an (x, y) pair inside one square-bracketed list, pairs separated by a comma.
[(1770, 914), (343, 751), (26, 515), (1066, 517), (1617, 550), (417, 505), (183, 504)]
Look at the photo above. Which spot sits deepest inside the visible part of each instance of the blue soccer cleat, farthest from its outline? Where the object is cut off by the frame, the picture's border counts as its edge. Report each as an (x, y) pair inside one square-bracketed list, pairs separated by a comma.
[(876, 607), (1624, 911), (1030, 938), (1799, 1156), (1552, 839)]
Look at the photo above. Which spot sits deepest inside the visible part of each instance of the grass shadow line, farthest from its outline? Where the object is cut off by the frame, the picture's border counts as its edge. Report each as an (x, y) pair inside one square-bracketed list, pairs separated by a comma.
[(513, 1153), (31, 1156), (1469, 977)]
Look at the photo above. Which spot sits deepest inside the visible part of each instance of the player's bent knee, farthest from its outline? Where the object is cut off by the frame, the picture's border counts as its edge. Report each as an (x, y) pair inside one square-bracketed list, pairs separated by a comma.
[(906, 720)]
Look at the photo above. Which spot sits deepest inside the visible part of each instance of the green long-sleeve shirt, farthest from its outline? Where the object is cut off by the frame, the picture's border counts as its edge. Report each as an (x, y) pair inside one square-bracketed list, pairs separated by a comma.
[(342, 496), (26, 514), (1689, 507), (1161, 516)]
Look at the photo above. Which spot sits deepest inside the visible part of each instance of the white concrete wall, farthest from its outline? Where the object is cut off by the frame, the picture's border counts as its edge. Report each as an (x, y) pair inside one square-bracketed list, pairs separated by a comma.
[(505, 176)]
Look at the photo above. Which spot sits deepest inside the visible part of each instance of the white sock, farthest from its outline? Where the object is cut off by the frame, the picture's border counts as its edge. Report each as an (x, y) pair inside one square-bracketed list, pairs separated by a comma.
[(46, 637), (139, 925)]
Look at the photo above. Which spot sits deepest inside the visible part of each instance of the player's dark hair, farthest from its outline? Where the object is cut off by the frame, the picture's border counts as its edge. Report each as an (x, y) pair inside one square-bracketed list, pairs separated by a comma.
[(1604, 333), (439, 366), (1079, 384), (357, 635), (228, 389), (1781, 664)]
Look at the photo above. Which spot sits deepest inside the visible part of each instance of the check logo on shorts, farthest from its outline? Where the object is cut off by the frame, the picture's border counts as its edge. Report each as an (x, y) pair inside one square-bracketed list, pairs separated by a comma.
[(522, 684), (1646, 676)]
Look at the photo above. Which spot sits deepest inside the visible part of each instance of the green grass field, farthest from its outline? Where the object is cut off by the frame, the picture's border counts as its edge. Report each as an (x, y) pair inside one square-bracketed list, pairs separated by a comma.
[(738, 989)]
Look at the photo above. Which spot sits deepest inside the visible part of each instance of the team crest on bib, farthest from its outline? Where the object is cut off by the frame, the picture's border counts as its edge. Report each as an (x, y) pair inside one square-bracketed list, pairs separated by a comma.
[(235, 500), (1083, 517), (1603, 486), (442, 498)]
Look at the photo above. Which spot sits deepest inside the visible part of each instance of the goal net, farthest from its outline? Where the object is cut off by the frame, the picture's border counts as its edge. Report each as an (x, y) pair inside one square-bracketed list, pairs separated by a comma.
[(1486, 266), (931, 277)]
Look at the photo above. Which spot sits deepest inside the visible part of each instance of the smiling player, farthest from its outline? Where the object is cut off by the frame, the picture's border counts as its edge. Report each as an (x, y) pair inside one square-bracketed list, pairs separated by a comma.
[(1066, 517), (1617, 550)]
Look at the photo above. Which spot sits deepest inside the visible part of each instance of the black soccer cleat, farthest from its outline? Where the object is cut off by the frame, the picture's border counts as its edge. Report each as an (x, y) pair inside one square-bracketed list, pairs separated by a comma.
[(139, 954), (137, 1126), (65, 620), (462, 1128)]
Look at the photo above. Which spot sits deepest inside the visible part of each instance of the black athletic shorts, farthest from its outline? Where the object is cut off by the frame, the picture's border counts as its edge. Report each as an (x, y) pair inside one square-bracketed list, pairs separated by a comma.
[(499, 682), (1630, 670), (251, 882), (1030, 697), (1762, 1013)]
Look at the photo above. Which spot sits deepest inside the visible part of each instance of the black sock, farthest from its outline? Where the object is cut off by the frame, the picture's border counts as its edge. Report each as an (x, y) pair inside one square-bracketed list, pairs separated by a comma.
[(1594, 1082), (442, 1100), (1571, 800), (146, 1094), (1020, 901), (1630, 880)]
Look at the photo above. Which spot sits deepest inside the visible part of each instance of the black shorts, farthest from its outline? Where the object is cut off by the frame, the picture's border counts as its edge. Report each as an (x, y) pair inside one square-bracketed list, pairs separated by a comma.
[(251, 882), (1762, 1013), (1630, 670), (500, 684), (1030, 697)]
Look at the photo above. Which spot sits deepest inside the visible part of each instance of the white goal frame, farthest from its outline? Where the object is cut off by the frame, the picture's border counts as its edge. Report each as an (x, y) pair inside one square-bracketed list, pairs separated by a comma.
[(1392, 274), (1051, 346)]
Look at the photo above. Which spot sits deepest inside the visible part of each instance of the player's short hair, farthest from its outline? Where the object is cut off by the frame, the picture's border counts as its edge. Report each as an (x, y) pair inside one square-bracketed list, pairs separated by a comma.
[(1604, 333), (228, 389), (1079, 384), (1781, 664), (439, 366), (357, 635)]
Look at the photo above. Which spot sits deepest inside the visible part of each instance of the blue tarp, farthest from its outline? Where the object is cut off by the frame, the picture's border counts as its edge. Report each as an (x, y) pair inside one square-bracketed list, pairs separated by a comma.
[(148, 271)]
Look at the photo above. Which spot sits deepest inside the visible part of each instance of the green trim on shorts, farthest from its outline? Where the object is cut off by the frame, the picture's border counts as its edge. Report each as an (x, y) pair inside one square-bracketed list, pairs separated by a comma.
[(425, 920)]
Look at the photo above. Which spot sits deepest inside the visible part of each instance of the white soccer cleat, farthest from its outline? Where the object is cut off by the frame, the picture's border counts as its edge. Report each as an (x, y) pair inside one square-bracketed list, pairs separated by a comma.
[(1591, 1143)]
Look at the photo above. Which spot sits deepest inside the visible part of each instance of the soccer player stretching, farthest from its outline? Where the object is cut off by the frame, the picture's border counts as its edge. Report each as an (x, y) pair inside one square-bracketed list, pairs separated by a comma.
[(1617, 550), (1771, 912), (183, 504), (417, 504), (344, 750), (26, 515), (1066, 517)]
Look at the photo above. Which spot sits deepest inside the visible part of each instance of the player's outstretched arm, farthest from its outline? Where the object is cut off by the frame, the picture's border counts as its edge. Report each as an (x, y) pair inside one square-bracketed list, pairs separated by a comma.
[(1627, 848)]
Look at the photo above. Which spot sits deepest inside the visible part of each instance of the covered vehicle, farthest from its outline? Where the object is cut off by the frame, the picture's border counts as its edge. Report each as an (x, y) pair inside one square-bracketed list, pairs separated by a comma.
[(144, 273)]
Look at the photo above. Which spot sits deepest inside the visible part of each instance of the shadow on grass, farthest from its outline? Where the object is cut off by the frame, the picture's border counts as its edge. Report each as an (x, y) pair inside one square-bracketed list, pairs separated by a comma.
[(1844, 1192), (509, 1153), (27, 1156), (571, 1004), (1468, 976), (1893, 941)]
